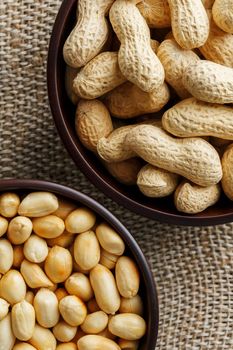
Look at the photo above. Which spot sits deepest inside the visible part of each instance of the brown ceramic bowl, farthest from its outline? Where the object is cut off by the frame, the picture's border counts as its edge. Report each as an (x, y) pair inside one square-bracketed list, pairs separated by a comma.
[(147, 288), (63, 112)]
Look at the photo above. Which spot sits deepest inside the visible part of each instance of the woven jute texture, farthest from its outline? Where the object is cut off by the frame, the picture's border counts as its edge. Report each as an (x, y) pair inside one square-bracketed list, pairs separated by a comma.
[(193, 267)]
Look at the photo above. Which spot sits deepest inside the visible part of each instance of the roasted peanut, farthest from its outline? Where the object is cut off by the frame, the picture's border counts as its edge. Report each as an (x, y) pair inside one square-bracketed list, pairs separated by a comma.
[(209, 82), (35, 249), (137, 61), (128, 344), (193, 199), (7, 338), (50, 226), (64, 332), (73, 310), (223, 15), (95, 323), (38, 204), (29, 297), (12, 287), (46, 308), (80, 220), (105, 289), (60, 293), (3, 226), (96, 342), (155, 182), (175, 59), (67, 346), (109, 239), (127, 326), (9, 204), (91, 28), (65, 207), (108, 259), (34, 275), (190, 23), (193, 158), (23, 346), (18, 255), (4, 308), (58, 264), (227, 167), (86, 250), (78, 284), (92, 121), (156, 13), (43, 339), (128, 100), (127, 277), (19, 229), (6, 255), (132, 305), (23, 320), (93, 306), (192, 117), (65, 240), (101, 75)]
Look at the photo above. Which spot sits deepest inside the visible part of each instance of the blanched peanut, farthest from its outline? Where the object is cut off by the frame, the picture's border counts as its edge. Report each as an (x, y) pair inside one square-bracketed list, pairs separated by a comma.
[(193, 199), (6, 255), (155, 182), (80, 220), (18, 255), (46, 308), (107, 259), (78, 284), (105, 289), (43, 339), (67, 346), (132, 305), (35, 249), (12, 287), (92, 305), (7, 338), (34, 275), (37, 204), (73, 310), (64, 332), (87, 250), (4, 308), (95, 323), (127, 277), (9, 203), (96, 342), (50, 226), (23, 346), (128, 344), (193, 158), (227, 166), (64, 240), (29, 297), (19, 229), (137, 61), (65, 207), (60, 293), (23, 320), (109, 239), (58, 264), (3, 226), (127, 326)]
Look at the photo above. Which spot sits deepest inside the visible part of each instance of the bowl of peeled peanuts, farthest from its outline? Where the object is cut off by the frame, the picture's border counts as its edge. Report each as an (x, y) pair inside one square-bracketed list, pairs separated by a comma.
[(71, 276), (142, 93)]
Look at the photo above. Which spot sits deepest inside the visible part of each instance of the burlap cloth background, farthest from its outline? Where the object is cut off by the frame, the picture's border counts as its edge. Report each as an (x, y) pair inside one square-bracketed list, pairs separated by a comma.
[(192, 266)]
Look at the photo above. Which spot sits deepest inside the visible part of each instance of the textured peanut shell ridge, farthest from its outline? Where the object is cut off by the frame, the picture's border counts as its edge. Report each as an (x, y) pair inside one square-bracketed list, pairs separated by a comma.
[(137, 61), (156, 183), (192, 117), (227, 168), (89, 34), (219, 46), (128, 100), (209, 81), (112, 148), (193, 199), (92, 121), (174, 60), (156, 13), (223, 14), (193, 158), (70, 74), (125, 171), (101, 75), (190, 23)]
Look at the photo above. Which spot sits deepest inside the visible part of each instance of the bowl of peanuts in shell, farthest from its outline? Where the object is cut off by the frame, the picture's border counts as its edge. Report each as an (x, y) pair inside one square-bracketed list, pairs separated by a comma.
[(71, 276), (142, 96)]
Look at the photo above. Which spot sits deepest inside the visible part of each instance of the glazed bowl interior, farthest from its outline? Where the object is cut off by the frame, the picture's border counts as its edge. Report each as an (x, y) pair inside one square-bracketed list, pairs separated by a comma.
[(147, 288), (63, 112)]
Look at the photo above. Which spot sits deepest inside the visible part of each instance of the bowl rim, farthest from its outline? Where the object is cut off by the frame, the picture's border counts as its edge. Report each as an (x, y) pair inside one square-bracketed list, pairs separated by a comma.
[(75, 195), (79, 159)]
